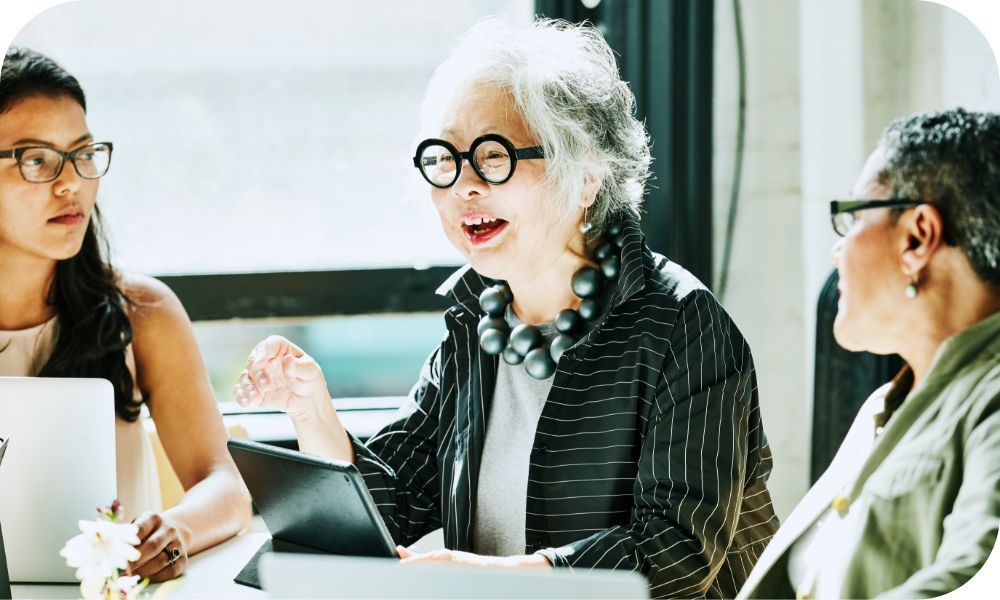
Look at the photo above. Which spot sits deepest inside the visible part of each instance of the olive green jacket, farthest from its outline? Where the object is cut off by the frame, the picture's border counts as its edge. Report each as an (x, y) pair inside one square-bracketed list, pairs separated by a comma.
[(929, 491)]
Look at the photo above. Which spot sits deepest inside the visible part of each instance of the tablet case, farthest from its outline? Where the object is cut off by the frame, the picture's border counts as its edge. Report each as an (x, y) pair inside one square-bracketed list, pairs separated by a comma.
[(249, 575), (5, 592), (309, 504)]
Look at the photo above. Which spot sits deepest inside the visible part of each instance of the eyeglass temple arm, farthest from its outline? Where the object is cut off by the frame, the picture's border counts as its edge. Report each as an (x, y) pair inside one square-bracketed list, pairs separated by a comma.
[(532, 152)]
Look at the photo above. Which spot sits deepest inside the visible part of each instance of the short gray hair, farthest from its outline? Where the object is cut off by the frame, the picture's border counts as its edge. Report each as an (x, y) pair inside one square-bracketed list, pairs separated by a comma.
[(563, 79), (951, 159)]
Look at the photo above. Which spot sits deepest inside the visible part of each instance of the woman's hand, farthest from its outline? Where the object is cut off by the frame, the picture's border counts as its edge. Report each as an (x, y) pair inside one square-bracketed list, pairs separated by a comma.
[(278, 374), (458, 557), (163, 549)]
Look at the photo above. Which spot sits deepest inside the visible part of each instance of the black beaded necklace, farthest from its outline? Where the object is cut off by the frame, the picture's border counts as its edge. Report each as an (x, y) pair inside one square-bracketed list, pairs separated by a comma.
[(526, 343)]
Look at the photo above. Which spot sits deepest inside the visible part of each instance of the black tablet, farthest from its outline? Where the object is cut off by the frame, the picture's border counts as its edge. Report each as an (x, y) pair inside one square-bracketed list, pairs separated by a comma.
[(309, 504)]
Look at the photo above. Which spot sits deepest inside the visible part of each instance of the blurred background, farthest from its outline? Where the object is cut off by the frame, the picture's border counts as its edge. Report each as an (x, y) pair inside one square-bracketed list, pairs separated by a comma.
[(262, 167)]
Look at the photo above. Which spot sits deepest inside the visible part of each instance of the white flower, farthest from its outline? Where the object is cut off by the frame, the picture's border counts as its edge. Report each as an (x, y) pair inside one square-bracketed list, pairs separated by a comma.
[(102, 549), (127, 588), (93, 587)]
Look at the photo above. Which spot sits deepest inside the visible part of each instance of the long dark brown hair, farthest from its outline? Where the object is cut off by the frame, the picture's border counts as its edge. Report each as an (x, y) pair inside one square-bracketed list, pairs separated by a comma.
[(94, 330)]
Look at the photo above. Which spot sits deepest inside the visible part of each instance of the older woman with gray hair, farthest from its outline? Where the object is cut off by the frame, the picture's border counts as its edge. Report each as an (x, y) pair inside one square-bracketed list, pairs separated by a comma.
[(591, 404), (910, 506)]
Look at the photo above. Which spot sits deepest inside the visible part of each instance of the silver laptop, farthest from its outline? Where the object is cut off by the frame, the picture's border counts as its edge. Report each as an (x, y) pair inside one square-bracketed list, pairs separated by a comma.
[(58, 468), (320, 576)]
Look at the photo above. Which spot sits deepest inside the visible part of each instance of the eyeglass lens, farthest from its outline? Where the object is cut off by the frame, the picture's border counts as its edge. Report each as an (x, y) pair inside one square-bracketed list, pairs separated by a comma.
[(438, 165), (490, 158), (45, 164), (842, 222)]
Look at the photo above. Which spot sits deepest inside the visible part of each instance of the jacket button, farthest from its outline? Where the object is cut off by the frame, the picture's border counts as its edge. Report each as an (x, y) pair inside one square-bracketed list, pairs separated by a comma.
[(841, 504)]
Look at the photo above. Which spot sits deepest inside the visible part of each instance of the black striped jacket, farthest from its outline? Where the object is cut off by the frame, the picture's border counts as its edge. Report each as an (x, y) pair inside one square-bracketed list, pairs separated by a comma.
[(649, 453)]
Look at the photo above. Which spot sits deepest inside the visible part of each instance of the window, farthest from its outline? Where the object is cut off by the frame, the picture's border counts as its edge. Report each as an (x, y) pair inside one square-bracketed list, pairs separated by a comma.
[(274, 139)]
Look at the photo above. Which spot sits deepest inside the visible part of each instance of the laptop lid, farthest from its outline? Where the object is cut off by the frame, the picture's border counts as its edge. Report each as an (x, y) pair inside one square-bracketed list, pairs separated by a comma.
[(315, 576), (59, 467), (5, 591)]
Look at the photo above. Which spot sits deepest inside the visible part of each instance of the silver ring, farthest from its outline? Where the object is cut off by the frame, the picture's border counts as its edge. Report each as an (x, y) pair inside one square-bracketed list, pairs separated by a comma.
[(172, 555)]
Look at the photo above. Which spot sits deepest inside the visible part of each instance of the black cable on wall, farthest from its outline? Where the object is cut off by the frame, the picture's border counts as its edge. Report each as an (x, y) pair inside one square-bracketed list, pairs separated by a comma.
[(734, 193)]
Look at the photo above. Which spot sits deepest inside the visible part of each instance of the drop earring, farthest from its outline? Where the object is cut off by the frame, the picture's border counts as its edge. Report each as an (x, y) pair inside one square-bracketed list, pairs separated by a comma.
[(585, 225), (911, 288)]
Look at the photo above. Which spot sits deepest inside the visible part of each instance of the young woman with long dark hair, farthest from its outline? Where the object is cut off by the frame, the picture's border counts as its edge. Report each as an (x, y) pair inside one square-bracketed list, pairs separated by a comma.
[(66, 312)]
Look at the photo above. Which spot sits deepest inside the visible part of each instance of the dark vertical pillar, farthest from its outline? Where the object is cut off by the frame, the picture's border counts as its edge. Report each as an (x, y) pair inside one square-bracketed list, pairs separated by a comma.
[(665, 52)]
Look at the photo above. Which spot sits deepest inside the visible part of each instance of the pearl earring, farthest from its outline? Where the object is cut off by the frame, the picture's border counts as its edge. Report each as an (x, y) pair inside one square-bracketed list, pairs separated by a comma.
[(586, 225), (911, 289)]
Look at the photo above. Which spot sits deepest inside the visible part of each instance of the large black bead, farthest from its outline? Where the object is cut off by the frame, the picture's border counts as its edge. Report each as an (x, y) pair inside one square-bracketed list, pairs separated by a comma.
[(539, 364), (489, 322), (619, 241), (504, 289), (614, 230), (603, 251), (493, 301), (511, 357), (493, 341), (589, 309), (561, 344), (568, 321), (525, 338), (586, 282), (611, 266)]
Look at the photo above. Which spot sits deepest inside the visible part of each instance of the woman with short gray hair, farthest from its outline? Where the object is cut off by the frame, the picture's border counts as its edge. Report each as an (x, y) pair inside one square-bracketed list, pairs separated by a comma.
[(591, 404), (909, 507)]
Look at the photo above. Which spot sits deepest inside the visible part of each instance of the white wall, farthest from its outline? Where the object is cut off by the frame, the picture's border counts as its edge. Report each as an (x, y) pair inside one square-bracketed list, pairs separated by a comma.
[(764, 291), (824, 78)]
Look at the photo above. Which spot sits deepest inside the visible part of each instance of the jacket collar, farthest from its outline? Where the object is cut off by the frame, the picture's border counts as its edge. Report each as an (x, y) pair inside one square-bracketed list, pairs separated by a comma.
[(465, 284)]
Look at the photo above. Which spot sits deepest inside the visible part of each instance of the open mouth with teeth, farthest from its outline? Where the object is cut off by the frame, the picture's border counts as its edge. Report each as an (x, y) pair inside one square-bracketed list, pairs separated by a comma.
[(480, 229)]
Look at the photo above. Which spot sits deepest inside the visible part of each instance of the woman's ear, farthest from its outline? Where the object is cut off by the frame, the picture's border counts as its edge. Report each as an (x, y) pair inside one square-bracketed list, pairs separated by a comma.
[(923, 232), (591, 185)]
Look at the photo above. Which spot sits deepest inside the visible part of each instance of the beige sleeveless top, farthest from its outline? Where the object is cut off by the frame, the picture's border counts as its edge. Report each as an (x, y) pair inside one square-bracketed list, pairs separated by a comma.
[(26, 352)]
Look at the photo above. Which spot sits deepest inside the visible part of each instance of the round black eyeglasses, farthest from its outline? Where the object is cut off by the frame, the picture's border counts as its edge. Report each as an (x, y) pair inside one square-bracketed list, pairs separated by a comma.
[(41, 164), (492, 156)]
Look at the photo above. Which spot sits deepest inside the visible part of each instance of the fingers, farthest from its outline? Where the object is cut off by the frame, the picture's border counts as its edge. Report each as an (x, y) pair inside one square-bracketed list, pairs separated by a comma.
[(147, 523), (155, 561), (275, 368), (171, 569), (303, 375), (249, 392), (403, 552), (149, 547), (273, 346)]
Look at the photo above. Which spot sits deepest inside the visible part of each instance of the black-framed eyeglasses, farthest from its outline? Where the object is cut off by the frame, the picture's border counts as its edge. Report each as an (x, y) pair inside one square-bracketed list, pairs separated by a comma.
[(41, 164), (492, 156), (842, 211)]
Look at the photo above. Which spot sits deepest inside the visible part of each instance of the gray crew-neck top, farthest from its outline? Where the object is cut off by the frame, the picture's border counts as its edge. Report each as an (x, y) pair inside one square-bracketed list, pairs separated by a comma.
[(518, 398)]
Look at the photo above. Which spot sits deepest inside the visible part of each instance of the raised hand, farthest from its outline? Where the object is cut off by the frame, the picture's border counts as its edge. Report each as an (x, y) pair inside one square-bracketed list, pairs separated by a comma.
[(278, 374)]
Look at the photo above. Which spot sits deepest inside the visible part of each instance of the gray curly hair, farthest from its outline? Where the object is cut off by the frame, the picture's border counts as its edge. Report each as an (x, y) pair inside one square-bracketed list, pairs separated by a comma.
[(951, 159), (563, 80)]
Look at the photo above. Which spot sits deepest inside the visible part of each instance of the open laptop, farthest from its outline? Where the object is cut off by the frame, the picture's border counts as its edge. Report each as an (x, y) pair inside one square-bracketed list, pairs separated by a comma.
[(58, 468), (315, 576), (5, 591)]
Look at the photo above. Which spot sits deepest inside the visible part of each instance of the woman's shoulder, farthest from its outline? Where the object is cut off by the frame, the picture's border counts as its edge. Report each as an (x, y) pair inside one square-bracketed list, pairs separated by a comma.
[(670, 284), (151, 302), (143, 289)]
